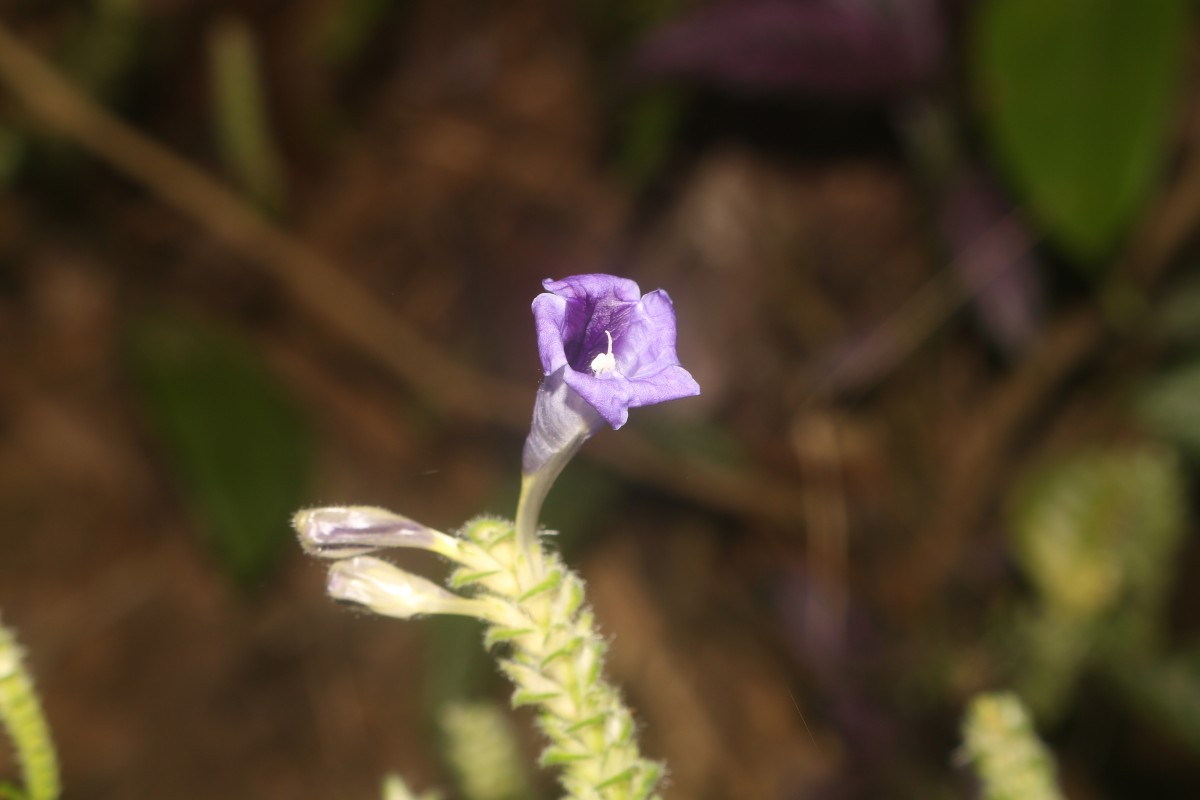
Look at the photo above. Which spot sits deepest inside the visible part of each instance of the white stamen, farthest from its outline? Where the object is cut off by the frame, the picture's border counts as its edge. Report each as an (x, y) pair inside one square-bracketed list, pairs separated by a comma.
[(604, 363)]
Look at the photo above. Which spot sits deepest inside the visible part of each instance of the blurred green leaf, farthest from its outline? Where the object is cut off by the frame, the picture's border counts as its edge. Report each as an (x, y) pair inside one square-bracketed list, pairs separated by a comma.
[(105, 47), (649, 126), (616, 26), (1170, 405), (236, 443), (350, 25), (1078, 96), (458, 665), (1098, 530), (1166, 691), (10, 791), (1096, 534), (480, 746), (1054, 648), (13, 148), (394, 788), (240, 115), (1178, 320)]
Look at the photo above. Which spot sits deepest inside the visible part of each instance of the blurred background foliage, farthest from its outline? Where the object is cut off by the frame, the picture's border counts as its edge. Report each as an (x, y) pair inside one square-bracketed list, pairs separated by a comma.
[(936, 270)]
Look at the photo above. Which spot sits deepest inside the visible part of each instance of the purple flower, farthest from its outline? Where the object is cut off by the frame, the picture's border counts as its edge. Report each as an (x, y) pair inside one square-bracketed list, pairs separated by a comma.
[(614, 345), (605, 348)]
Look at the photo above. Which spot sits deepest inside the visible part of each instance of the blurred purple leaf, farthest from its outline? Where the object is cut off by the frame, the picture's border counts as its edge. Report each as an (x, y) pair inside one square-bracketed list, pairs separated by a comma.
[(856, 48), (992, 252)]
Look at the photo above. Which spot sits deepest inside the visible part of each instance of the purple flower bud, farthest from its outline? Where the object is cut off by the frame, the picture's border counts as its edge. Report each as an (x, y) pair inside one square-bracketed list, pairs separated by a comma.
[(341, 531)]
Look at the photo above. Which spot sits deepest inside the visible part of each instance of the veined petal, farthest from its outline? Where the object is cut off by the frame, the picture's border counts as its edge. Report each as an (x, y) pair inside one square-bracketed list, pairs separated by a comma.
[(552, 324), (609, 396), (596, 286)]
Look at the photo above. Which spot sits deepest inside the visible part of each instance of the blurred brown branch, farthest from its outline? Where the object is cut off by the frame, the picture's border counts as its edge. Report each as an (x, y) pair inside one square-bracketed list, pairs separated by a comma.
[(346, 309)]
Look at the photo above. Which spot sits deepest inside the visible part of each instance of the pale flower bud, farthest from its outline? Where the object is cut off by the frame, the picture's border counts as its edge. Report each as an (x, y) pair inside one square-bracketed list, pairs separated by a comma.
[(341, 531), (388, 590)]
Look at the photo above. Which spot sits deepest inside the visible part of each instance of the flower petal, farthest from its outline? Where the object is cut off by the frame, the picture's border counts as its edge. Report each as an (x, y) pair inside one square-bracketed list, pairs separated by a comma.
[(647, 344), (671, 383), (551, 322), (609, 396), (595, 285)]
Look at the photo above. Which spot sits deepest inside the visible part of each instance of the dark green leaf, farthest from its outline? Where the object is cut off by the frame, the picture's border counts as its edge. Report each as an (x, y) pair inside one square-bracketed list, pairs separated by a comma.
[(235, 442), (1078, 96), (649, 124)]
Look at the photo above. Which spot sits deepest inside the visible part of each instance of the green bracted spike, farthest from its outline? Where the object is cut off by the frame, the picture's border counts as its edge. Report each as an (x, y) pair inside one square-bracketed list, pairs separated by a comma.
[(568, 649), (10, 792), (496, 636), (21, 714), (624, 776), (524, 697), (590, 722), (462, 577), (487, 532), (625, 733), (550, 583), (556, 663), (573, 595), (1000, 742), (651, 774), (594, 666), (557, 756)]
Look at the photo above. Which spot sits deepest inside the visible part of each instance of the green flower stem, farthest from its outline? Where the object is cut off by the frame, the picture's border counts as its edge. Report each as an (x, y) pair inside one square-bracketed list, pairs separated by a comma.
[(534, 488), (21, 715), (537, 610)]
